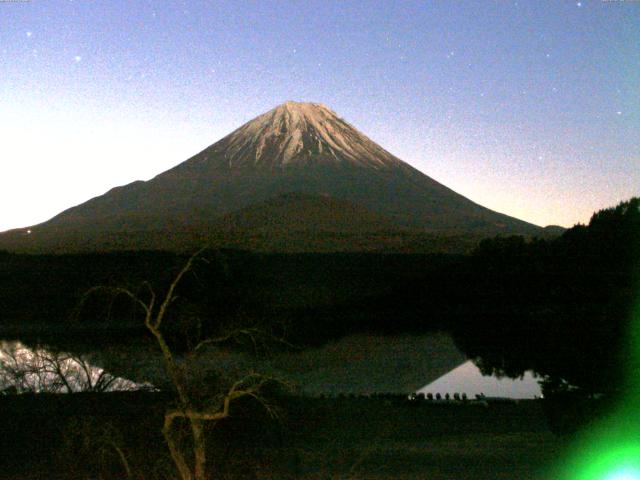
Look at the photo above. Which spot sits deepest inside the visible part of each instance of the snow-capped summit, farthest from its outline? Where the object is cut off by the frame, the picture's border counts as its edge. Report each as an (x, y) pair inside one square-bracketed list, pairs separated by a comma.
[(296, 132)]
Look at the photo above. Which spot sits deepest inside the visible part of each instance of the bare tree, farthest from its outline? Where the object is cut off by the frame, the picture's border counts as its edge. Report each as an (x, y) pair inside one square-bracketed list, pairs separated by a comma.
[(190, 405), (24, 369)]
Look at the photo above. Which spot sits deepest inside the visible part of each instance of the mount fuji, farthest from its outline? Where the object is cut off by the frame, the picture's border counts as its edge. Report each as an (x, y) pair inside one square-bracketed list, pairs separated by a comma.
[(297, 177)]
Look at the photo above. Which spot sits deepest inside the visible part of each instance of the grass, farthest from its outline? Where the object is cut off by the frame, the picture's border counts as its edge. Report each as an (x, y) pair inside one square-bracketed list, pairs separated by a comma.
[(65, 436)]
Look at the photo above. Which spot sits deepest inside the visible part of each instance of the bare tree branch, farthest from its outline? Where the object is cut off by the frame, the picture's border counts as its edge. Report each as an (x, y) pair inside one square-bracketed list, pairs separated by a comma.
[(189, 408)]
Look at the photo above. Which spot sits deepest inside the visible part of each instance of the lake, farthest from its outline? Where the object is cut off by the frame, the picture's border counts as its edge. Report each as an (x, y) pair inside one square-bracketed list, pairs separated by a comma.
[(468, 379), (356, 364), (24, 369)]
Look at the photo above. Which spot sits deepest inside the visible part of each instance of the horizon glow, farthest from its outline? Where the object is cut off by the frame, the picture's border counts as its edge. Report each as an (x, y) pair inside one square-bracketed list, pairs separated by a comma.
[(530, 108)]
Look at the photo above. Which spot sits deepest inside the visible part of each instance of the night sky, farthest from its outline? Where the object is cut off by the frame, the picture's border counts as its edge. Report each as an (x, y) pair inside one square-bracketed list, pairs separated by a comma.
[(531, 108)]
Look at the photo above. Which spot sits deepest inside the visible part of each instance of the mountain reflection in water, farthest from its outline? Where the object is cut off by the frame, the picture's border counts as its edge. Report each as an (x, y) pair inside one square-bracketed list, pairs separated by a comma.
[(468, 379)]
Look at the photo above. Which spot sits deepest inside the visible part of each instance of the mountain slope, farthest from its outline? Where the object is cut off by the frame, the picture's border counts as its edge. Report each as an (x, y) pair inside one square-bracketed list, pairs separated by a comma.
[(299, 212), (299, 148)]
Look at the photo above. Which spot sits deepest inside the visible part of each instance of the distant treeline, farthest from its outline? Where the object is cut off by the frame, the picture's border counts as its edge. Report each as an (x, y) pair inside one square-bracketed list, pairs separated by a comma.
[(563, 308), (315, 297), (560, 307)]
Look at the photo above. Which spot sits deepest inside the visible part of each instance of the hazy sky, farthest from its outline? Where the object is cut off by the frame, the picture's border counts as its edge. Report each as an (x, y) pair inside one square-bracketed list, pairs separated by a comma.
[(531, 108)]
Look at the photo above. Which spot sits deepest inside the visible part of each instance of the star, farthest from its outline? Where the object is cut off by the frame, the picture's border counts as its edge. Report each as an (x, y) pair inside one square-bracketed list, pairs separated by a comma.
[(29, 34), (77, 58), (618, 113), (548, 55), (579, 4)]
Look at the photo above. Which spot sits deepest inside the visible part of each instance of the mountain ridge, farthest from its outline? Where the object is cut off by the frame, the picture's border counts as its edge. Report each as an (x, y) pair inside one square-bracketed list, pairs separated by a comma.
[(295, 148)]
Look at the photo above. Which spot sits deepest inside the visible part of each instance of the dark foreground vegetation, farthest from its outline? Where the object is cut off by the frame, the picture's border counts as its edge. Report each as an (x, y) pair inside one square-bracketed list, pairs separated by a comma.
[(117, 435), (562, 308)]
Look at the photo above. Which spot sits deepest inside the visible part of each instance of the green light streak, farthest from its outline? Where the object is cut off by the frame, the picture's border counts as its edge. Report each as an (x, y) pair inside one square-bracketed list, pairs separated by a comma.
[(617, 463), (610, 449), (624, 474)]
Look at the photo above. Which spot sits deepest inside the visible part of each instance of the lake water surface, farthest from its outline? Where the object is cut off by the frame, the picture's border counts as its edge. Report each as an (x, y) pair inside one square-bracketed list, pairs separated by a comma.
[(468, 379), (24, 369), (348, 368)]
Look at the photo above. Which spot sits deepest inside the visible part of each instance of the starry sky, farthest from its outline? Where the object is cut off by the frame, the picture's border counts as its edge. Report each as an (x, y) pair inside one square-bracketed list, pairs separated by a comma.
[(531, 108)]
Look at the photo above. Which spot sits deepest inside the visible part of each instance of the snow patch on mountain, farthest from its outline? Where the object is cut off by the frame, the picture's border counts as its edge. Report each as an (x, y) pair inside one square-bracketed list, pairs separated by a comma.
[(302, 132)]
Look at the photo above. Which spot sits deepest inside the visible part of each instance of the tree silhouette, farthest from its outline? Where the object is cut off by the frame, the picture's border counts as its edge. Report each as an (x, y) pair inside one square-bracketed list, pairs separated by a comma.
[(196, 404), (561, 308)]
